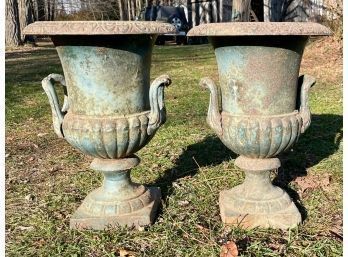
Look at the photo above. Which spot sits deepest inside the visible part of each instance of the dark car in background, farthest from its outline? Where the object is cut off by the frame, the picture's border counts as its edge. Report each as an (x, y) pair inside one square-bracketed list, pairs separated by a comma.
[(173, 15)]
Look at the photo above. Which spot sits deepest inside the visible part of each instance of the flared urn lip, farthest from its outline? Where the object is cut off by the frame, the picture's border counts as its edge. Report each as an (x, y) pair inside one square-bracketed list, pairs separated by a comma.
[(260, 29), (52, 28)]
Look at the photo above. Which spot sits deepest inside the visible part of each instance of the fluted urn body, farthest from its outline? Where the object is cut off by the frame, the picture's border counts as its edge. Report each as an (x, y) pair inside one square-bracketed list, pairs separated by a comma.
[(263, 110), (110, 110)]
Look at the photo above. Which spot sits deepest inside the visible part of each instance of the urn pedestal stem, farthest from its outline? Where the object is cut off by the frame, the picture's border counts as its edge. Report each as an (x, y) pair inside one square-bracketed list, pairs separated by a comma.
[(257, 202), (119, 201)]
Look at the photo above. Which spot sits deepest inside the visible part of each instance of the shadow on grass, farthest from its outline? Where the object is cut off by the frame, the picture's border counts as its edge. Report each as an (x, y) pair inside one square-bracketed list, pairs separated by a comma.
[(36, 51), (209, 151), (321, 140)]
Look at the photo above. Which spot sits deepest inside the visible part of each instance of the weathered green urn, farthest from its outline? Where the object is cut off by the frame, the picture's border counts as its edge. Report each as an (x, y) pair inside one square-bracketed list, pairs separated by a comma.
[(258, 111), (110, 110)]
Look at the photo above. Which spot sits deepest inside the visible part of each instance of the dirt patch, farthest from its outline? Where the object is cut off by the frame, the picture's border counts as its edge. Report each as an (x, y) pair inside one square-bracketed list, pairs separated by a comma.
[(323, 59)]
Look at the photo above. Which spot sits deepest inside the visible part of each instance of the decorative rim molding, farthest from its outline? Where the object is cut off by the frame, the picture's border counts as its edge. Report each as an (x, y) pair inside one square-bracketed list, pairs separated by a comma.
[(260, 29), (51, 28)]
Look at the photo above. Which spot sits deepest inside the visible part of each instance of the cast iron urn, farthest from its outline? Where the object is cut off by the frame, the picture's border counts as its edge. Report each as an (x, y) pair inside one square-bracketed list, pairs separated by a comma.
[(110, 110), (264, 109)]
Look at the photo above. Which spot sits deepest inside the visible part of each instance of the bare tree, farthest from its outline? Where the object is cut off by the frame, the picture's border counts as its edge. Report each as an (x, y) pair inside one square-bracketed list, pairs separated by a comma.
[(12, 33), (25, 17), (122, 11), (41, 14)]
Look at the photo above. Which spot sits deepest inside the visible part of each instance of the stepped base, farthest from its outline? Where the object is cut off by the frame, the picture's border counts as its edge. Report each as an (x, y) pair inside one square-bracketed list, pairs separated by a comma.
[(257, 202), (82, 219), (263, 214)]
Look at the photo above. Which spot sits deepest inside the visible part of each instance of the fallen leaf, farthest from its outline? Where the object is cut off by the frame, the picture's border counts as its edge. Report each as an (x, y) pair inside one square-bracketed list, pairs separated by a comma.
[(325, 181), (30, 198), (9, 138), (141, 228), (42, 134), (201, 228), (25, 228), (126, 253), (275, 246), (176, 185), (173, 158), (337, 234), (183, 203), (40, 242), (155, 166), (313, 181), (55, 168), (229, 249)]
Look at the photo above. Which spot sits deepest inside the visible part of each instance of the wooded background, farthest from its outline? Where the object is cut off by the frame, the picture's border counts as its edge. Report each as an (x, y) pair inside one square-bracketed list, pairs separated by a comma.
[(20, 13)]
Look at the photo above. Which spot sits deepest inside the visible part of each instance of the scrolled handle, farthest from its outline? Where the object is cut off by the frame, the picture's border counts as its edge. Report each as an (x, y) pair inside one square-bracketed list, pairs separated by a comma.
[(305, 82), (158, 110), (57, 112), (213, 116)]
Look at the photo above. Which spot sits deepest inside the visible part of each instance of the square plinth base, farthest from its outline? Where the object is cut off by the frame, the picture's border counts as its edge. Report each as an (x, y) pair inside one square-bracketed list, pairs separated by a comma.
[(142, 217), (288, 218)]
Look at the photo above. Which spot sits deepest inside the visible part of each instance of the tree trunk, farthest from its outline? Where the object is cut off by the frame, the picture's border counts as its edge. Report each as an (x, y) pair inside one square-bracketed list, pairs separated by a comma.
[(285, 10), (48, 10), (241, 10), (221, 10), (214, 11), (226, 10), (267, 10), (41, 15), (25, 17), (189, 13), (53, 10), (121, 10), (132, 4), (201, 13), (139, 7), (34, 10), (12, 33), (129, 9)]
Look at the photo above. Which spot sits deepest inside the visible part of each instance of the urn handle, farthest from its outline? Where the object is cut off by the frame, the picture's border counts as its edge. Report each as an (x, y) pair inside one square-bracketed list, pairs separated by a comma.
[(305, 82), (158, 110), (214, 116), (57, 112)]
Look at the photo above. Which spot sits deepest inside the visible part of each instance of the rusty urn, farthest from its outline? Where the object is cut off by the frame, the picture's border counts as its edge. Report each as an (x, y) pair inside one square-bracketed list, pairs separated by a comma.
[(259, 110), (110, 111)]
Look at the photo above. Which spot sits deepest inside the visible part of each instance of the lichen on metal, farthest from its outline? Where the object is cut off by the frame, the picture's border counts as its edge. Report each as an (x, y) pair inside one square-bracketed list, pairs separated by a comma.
[(110, 111)]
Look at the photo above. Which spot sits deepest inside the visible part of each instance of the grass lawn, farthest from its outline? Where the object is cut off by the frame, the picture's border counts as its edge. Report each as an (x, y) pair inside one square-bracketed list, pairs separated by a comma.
[(46, 179)]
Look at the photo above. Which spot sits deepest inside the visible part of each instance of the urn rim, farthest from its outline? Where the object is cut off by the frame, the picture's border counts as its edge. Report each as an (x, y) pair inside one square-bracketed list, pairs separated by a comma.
[(260, 29), (52, 28)]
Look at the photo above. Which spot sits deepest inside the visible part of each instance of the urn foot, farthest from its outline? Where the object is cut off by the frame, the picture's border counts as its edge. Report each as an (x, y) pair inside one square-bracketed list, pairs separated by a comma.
[(142, 217), (119, 201), (257, 202)]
